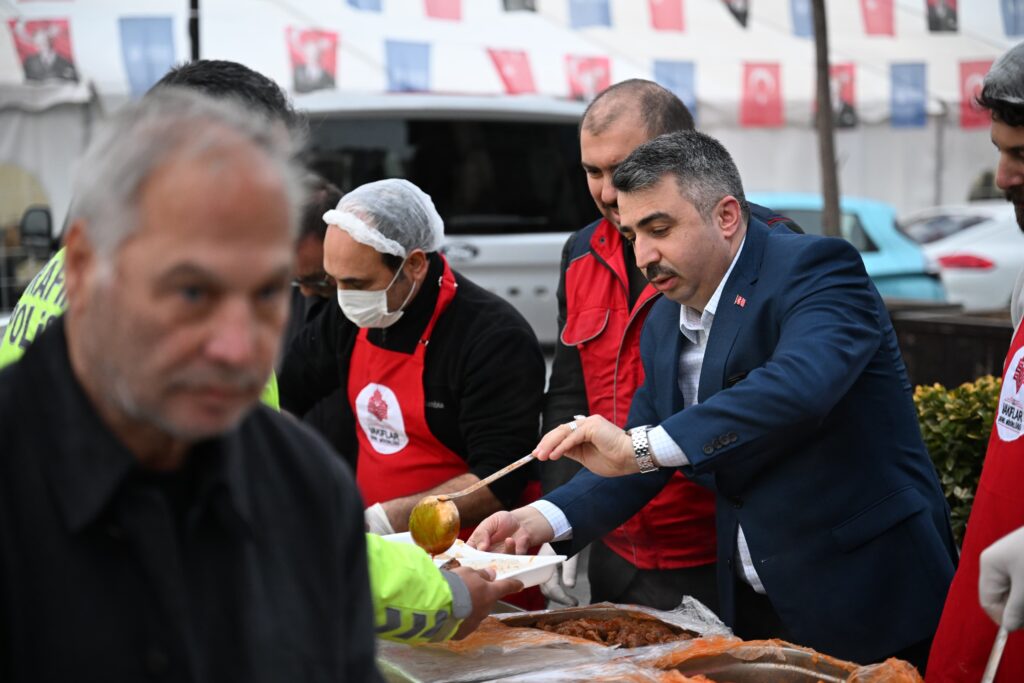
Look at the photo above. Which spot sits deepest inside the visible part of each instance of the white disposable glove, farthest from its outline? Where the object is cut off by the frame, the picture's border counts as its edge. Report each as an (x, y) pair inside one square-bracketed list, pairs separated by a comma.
[(1001, 581), (564, 577), (377, 521)]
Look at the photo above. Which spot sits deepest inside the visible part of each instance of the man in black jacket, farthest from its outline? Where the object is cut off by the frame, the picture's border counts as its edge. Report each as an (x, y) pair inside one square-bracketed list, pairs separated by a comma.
[(444, 379), (313, 290), (153, 522)]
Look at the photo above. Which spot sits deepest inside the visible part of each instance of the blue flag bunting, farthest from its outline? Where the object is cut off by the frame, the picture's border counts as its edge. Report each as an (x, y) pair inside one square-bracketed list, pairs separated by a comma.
[(803, 20), (408, 66), (1013, 17), (147, 47), (678, 77), (583, 13), (368, 5), (909, 96)]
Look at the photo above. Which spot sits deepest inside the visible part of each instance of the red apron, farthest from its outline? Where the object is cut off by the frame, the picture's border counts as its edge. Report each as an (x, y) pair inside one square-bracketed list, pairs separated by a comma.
[(398, 454), (965, 634)]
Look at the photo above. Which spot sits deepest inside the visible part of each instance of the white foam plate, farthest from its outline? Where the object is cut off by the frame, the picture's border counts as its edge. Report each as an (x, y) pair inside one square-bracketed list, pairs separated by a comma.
[(532, 570)]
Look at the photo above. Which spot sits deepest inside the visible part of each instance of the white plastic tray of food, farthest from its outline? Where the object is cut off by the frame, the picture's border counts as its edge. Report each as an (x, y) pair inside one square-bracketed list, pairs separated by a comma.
[(532, 570)]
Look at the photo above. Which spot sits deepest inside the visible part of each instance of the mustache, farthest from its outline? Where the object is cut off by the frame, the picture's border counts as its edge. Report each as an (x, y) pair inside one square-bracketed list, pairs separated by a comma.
[(1015, 195), (229, 379), (655, 270)]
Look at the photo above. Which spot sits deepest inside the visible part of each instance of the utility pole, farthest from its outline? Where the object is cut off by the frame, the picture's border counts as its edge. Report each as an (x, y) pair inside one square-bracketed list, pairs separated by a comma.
[(193, 27), (826, 125)]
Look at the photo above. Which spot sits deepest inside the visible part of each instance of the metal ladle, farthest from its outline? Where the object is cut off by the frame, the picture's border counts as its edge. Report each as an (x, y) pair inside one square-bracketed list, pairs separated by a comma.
[(434, 521)]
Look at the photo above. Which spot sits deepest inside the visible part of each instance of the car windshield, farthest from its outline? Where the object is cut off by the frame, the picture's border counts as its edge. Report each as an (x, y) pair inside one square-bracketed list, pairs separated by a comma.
[(850, 226), (933, 228), (485, 177)]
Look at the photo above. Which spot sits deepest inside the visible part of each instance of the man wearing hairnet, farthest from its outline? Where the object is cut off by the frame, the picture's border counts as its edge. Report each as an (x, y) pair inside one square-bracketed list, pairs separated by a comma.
[(990, 578), (444, 379)]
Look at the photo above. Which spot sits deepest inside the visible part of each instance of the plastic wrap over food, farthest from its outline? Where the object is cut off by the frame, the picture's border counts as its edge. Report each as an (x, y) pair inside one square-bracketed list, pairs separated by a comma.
[(513, 644), (491, 652), (720, 659), (610, 672), (738, 661), (889, 671), (691, 616), (515, 647)]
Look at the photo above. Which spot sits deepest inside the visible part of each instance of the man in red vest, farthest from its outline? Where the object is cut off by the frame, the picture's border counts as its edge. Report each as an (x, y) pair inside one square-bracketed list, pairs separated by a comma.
[(667, 550), (965, 634)]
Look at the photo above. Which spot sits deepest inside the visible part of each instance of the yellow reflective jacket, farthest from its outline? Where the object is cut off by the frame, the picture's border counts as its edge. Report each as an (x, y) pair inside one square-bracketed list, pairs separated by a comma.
[(42, 301), (413, 602)]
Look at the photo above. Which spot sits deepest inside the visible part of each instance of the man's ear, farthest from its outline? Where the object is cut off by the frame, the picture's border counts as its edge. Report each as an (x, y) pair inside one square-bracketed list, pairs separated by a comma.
[(728, 215), (79, 259), (417, 263)]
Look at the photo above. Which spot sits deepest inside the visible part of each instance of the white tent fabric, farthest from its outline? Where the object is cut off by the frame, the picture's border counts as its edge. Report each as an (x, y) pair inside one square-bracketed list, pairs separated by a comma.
[(43, 130), (909, 167), (44, 126), (94, 37), (712, 39)]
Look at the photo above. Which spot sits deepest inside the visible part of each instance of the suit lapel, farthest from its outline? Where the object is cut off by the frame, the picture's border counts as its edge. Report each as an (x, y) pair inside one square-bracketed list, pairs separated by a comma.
[(672, 370), (730, 315)]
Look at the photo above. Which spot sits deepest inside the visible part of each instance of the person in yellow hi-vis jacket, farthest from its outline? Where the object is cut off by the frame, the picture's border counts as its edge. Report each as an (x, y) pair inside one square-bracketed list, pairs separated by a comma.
[(413, 601)]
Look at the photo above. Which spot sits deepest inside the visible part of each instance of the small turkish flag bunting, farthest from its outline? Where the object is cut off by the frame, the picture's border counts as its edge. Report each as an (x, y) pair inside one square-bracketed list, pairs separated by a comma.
[(740, 301)]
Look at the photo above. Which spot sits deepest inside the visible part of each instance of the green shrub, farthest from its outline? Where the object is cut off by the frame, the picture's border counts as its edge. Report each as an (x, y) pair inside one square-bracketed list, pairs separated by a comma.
[(956, 424)]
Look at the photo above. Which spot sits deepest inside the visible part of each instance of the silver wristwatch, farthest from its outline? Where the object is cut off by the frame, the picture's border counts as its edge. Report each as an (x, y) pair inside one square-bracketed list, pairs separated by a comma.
[(642, 448)]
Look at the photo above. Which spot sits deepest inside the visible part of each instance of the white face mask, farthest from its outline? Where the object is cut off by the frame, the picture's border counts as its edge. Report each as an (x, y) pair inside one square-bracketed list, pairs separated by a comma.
[(370, 308)]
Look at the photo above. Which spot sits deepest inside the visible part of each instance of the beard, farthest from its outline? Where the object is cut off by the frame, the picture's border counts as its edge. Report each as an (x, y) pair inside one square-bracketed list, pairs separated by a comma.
[(117, 357), (148, 410), (1016, 197)]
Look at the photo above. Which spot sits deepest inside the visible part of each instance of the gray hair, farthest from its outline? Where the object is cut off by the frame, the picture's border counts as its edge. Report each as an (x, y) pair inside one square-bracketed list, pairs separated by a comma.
[(701, 166), (169, 123)]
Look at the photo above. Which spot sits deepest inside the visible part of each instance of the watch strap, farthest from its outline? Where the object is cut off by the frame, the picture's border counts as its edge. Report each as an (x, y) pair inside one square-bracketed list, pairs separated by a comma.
[(642, 449)]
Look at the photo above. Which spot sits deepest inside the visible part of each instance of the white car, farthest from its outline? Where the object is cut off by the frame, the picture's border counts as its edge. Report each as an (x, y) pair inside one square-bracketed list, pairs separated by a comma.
[(504, 174), (978, 248)]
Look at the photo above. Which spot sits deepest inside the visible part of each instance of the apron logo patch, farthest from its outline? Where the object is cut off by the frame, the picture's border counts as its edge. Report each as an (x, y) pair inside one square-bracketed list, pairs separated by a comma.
[(377, 407), (380, 417), (1010, 416)]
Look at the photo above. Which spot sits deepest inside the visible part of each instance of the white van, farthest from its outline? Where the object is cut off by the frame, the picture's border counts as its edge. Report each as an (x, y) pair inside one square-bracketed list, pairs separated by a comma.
[(504, 174)]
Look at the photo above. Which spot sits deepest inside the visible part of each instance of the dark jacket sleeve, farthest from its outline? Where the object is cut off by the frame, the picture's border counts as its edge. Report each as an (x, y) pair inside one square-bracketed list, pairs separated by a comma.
[(503, 386), (567, 393), (310, 370), (595, 505), (357, 608)]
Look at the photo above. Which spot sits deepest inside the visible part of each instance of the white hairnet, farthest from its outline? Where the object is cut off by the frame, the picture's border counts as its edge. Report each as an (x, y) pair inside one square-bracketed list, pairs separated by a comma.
[(393, 216), (1005, 80)]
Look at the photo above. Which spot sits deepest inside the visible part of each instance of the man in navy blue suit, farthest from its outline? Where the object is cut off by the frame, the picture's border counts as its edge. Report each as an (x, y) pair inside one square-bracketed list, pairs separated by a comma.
[(773, 377)]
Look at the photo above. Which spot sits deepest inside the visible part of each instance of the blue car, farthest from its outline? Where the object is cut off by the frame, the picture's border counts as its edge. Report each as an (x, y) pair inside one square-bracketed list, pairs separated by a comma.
[(896, 264)]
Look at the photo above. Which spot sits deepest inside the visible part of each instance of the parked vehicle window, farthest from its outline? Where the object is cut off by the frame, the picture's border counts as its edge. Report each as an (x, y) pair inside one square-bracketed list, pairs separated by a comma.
[(485, 177), (850, 226), (934, 228)]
